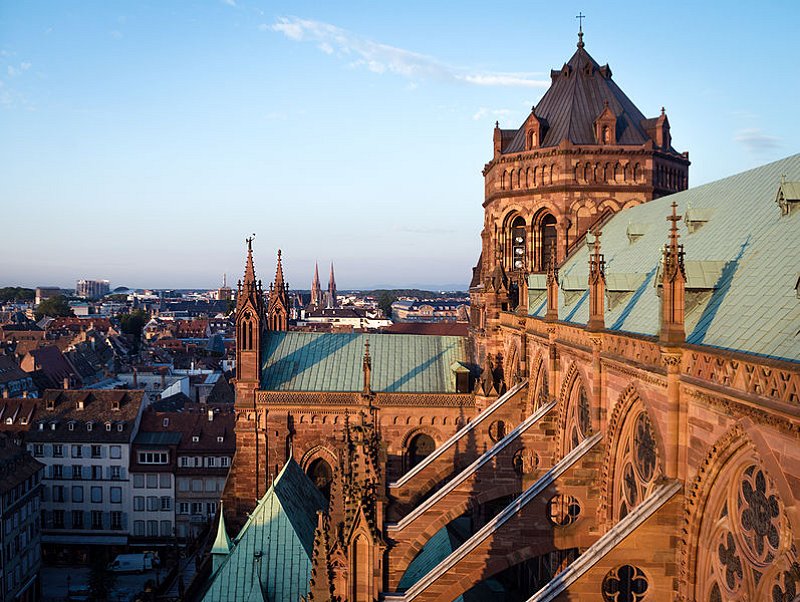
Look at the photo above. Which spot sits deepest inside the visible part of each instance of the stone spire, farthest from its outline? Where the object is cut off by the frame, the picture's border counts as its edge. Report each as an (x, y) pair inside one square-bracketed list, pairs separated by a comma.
[(332, 288), (367, 366), (673, 285), (552, 287), (316, 288), (278, 308), (597, 286)]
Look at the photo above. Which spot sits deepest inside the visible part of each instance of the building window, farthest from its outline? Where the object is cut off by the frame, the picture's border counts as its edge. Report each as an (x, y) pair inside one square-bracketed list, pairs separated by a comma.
[(116, 473), (97, 495), (138, 503), (108, 427), (166, 528), (212, 462), (77, 494), (77, 451), (165, 480), (183, 508), (58, 494), (152, 503), (58, 519), (152, 528), (77, 519), (97, 472), (116, 452), (166, 502), (225, 461), (116, 520), (77, 471), (152, 481), (211, 508), (58, 471), (518, 244), (197, 508), (197, 485), (38, 450), (183, 484), (138, 528), (153, 458), (116, 495), (96, 451), (138, 480), (97, 519), (58, 450), (184, 462)]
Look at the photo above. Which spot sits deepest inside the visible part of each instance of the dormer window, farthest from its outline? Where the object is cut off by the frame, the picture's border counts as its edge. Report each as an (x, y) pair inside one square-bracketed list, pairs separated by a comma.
[(788, 197), (220, 439), (115, 405), (80, 405), (9, 420), (120, 426), (195, 439), (108, 427), (41, 426), (165, 422), (71, 426), (89, 426), (52, 426), (50, 404)]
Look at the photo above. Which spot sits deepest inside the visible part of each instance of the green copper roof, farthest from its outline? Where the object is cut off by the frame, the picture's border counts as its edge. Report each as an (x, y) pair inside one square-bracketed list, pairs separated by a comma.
[(401, 363), (271, 557), (742, 260), (222, 543)]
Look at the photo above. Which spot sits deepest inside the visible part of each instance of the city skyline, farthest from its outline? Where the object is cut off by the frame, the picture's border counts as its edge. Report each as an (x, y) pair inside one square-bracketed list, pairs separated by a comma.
[(144, 143)]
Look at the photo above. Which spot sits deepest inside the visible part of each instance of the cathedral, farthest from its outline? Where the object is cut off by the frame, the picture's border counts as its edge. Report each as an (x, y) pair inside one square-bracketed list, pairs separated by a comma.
[(620, 424)]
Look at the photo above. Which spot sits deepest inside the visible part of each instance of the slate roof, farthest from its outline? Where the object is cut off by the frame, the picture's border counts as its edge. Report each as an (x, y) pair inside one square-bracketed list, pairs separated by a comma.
[(749, 249), (575, 100), (277, 540), (401, 363)]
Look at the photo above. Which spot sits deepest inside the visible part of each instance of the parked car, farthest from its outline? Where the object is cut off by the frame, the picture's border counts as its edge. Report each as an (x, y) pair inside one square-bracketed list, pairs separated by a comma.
[(133, 563)]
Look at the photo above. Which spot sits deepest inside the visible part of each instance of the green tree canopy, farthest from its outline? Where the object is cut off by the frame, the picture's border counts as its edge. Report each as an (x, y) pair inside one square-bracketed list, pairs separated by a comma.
[(55, 307), (16, 293)]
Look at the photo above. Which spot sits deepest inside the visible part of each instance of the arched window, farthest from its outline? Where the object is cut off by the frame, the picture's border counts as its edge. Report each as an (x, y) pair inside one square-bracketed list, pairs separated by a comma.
[(321, 473), (549, 238), (420, 447), (606, 135), (518, 243)]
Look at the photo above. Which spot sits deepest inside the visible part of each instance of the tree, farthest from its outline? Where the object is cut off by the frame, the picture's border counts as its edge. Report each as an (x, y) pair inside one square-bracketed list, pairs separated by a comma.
[(16, 293), (133, 323), (55, 307), (385, 300)]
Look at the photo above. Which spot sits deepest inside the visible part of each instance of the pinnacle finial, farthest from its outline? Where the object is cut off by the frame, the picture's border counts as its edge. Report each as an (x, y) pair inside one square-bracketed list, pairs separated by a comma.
[(580, 17)]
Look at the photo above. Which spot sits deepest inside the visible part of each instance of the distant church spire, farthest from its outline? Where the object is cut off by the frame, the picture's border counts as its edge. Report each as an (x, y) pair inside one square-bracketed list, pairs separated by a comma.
[(580, 17), (331, 289), (316, 288)]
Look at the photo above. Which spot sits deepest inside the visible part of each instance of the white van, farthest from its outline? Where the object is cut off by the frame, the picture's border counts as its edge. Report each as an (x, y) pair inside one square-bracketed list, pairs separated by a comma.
[(133, 563)]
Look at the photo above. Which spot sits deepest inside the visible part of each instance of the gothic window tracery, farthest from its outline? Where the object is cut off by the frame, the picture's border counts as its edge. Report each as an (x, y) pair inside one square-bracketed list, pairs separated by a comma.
[(563, 510), (626, 583), (638, 466), (518, 243), (745, 549), (578, 422)]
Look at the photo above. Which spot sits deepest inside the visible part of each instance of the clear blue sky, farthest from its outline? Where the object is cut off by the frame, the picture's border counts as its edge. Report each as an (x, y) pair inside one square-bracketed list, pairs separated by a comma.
[(141, 142)]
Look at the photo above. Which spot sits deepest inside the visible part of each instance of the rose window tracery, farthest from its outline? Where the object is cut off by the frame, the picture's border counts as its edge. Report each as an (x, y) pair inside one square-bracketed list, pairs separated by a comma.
[(759, 510), (743, 550), (626, 583)]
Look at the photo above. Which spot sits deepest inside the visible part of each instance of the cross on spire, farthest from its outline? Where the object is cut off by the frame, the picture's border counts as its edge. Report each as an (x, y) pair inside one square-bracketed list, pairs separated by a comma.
[(580, 17)]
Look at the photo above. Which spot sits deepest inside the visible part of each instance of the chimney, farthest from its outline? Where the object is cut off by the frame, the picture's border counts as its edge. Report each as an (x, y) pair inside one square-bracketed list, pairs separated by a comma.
[(210, 415), (163, 380), (66, 382), (135, 378), (24, 395), (5, 393)]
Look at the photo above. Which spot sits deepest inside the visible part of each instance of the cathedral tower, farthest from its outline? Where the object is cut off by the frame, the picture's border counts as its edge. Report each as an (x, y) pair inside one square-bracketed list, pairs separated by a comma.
[(583, 153), (331, 289)]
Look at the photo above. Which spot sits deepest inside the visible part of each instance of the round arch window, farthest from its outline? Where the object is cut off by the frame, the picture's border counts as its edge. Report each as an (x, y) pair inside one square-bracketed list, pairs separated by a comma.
[(321, 473), (420, 447)]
